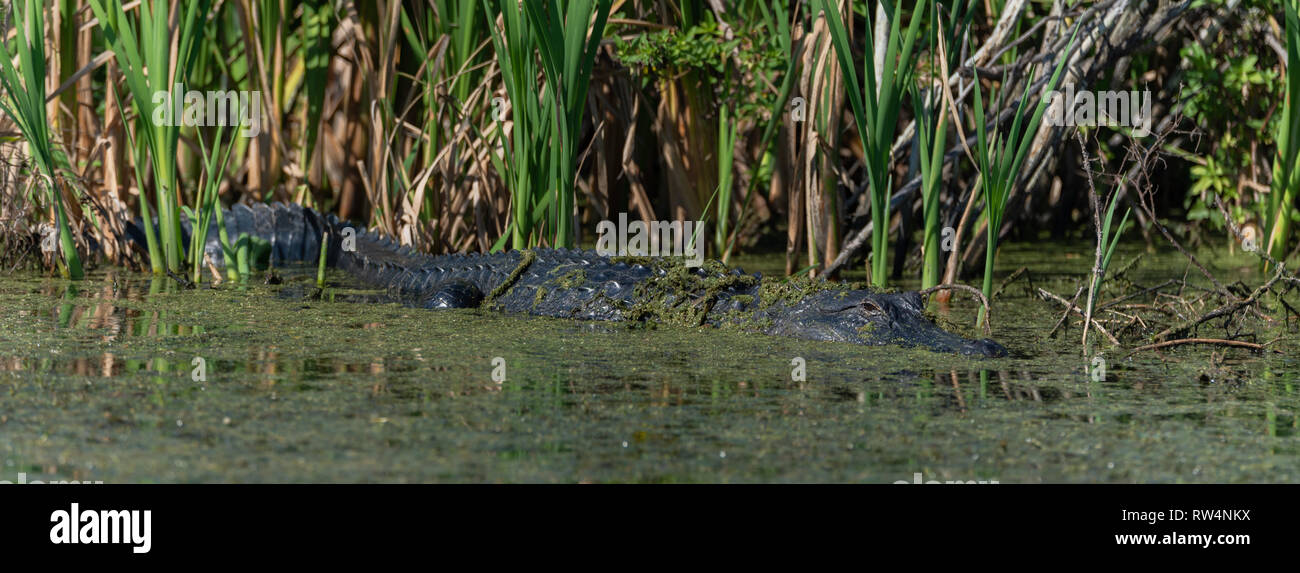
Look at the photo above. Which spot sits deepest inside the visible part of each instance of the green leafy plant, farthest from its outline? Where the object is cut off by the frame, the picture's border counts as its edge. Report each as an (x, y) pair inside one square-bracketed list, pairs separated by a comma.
[(317, 26), (207, 207), (1000, 156), (143, 50), (541, 158), (726, 156), (1230, 90), (720, 62), (1107, 240), (1286, 175), (875, 111), (716, 68), (424, 25), (567, 58), (523, 151), (932, 130), (774, 24), (25, 104)]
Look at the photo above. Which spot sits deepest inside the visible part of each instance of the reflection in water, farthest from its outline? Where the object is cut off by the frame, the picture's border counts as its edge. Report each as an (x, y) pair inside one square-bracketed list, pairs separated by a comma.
[(332, 391), (102, 313)]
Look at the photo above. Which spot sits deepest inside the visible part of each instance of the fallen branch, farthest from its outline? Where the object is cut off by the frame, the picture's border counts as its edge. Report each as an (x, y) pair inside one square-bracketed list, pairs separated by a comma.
[(1224, 310), (1065, 315), (1216, 341), (1071, 307), (1138, 294)]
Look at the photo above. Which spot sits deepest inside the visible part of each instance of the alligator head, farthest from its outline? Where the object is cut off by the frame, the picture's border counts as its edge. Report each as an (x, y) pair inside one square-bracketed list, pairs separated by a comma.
[(866, 317)]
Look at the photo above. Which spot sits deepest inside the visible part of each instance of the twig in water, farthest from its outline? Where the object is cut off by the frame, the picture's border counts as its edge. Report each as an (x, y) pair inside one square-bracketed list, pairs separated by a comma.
[(216, 277), (1065, 314), (1010, 279), (1071, 307), (1218, 341), (988, 330), (1137, 294), (1224, 310)]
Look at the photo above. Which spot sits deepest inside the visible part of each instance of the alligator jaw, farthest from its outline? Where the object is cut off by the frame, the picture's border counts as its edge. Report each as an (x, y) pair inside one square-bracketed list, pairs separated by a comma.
[(907, 318)]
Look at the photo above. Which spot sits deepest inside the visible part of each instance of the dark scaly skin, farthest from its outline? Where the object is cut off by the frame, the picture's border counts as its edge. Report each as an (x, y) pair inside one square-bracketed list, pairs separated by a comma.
[(588, 286)]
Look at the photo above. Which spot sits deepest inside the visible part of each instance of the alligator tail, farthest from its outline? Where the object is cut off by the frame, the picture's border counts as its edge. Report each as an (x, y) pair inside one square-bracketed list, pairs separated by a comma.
[(283, 234)]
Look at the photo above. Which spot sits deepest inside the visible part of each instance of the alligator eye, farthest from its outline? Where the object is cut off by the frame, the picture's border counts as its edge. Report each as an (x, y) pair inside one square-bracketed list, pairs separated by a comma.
[(871, 307)]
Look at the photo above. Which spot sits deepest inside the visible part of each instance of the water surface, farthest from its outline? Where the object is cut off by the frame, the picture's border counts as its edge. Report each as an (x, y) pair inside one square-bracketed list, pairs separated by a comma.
[(120, 378)]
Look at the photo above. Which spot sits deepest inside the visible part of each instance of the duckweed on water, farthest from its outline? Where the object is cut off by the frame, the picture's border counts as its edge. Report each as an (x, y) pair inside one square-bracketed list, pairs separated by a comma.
[(100, 385)]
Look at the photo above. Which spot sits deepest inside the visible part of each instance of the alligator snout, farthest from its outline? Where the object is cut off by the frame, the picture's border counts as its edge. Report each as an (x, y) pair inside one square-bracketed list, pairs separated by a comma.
[(873, 318), (983, 347), (928, 335)]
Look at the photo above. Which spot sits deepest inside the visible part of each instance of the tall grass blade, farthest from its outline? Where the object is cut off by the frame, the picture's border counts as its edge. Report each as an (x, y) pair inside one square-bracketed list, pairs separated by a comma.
[(1286, 177), (568, 53), (1000, 158), (317, 29), (875, 109), (143, 48), (25, 104)]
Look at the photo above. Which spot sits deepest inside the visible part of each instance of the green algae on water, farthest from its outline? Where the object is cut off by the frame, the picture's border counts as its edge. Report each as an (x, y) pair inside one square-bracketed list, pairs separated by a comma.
[(98, 384)]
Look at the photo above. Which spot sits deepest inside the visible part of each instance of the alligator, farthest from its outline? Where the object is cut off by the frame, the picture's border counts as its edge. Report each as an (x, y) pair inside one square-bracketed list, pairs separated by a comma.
[(585, 285)]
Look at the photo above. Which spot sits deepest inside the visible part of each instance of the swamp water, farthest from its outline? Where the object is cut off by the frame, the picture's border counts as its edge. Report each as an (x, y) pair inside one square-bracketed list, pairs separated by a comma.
[(124, 379)]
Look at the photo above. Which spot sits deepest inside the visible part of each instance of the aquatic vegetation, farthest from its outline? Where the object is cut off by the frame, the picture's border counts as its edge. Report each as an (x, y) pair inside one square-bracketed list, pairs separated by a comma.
[(141, 44), (705, 68), (1286, 172), (207, 208), (541, 159), (24, 101), (1000, 157), (932, 121), (1107, 239), (875, 110), (473, 125), (366, 382), (809, 135)]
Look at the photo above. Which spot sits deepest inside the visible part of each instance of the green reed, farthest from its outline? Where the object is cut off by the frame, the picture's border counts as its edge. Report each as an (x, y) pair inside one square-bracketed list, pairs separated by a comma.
[(1000, 157), (143, 49), (25, 104), (1286, 176), (875, 109), (1107, 240), (207, 207)]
